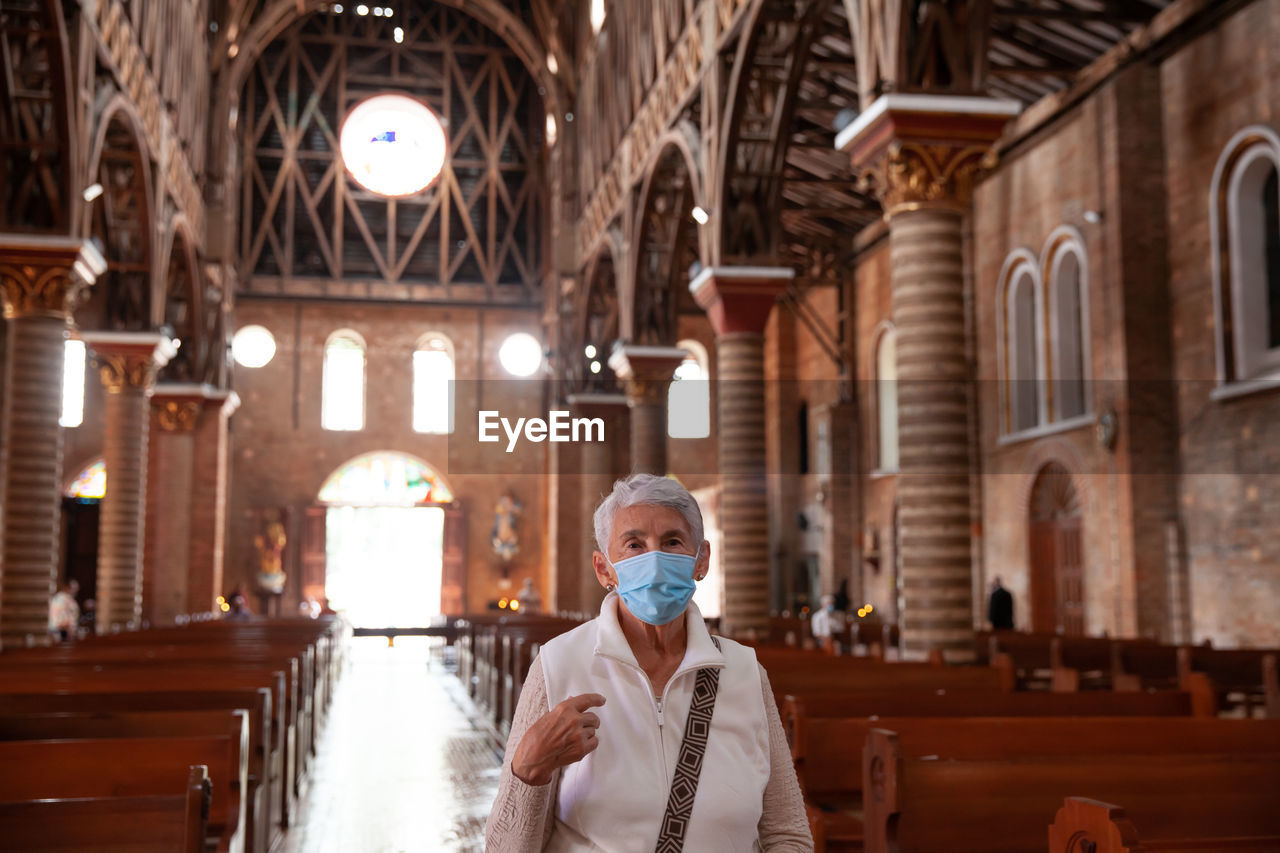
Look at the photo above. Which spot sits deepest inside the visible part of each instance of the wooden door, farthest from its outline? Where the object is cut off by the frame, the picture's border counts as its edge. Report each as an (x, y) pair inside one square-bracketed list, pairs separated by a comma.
[(453, 570), (1044, 576), (315, 552), (1070, 576)]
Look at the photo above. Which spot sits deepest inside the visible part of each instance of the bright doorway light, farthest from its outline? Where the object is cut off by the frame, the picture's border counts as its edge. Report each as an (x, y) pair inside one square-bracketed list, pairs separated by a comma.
[(520, 354), (72, 384), (393, 145), (253, 346), (597, 15)]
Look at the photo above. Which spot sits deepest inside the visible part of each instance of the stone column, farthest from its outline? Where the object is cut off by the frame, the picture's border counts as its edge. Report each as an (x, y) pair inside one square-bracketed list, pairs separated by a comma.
[(186, 490), (127, 363), (598, 473), (738, 301), (646, 373), (923, 154), (42, 280)]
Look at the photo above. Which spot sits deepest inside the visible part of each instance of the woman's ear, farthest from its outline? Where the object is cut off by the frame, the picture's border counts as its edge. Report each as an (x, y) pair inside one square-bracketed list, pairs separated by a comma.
[(702, 562), (604, 573)]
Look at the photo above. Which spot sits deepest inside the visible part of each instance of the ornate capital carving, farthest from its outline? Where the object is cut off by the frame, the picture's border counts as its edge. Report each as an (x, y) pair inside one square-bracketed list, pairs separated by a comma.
[(120, 371), (645, 391), (41, 292), (178, 416), (129, 360), (912, 175), (46, 277), (646, 371), (925, 151)]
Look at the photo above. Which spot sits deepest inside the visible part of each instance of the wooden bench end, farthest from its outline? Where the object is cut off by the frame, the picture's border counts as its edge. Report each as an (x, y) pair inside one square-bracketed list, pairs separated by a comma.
[(1083, 825)]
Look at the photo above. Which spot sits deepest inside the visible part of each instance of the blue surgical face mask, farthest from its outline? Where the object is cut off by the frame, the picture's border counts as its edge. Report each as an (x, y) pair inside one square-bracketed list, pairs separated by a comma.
[(656, 586)]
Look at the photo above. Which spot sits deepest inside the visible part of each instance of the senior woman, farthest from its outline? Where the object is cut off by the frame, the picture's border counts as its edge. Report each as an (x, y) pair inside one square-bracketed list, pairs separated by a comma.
[(610, 749)]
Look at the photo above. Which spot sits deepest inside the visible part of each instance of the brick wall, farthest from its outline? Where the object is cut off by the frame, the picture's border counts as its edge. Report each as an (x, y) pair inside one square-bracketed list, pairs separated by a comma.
[(280, 456), (1224, 81)]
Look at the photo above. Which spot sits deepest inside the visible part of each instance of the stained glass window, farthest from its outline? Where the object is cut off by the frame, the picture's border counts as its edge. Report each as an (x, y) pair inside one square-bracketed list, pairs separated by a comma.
[(90, 483), (385, 479)]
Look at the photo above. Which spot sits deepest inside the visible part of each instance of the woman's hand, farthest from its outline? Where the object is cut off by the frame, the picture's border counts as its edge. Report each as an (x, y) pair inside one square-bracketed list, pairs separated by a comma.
[(560, 737)]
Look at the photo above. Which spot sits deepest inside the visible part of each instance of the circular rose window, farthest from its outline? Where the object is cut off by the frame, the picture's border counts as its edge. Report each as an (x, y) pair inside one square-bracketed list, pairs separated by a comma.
[(393, 145)]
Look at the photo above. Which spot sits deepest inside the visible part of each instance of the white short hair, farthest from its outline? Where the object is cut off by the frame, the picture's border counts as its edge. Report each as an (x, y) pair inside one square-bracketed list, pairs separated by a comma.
[(646, 489)]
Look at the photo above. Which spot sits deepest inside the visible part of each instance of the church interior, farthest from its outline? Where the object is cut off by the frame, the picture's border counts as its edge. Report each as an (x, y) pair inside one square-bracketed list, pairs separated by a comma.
[(329, 325)]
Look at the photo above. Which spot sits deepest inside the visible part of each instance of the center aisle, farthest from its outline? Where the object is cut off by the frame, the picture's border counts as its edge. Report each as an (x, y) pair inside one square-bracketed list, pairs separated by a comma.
[(401, 768)]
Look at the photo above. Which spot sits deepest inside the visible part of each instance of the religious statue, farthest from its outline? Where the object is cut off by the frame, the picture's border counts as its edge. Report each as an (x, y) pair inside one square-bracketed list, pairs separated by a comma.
[(270, 547), (506, 539)]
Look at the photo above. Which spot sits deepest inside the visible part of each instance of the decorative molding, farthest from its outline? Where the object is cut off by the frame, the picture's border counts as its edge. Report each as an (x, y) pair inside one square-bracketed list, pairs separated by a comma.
[(178, 416), (129, 360), (121, 51), (912, 176), (46, 277), (925, 151), (615, 160)]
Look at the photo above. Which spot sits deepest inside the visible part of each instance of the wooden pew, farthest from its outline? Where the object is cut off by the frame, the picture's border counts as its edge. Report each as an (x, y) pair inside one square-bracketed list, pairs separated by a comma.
[(989, 786), (827, 742), (187, 689), (131, 767), (125, 670), (1086, 824), (1244, 678), (299, 706), (143, 724), (799, 672), (518, 643), (164, 823)]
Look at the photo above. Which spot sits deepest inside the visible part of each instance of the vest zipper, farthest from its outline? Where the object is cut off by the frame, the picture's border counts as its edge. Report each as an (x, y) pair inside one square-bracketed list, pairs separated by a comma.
[(658, 701)]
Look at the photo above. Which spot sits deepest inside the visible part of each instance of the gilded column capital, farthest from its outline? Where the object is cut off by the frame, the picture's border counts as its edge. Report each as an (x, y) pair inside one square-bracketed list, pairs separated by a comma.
[(916, 151), (46, 276), (129, 360), (645, 371), (177, 416), (911, 176)]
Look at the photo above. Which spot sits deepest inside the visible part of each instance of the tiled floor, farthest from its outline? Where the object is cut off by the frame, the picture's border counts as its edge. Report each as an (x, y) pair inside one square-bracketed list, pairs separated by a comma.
[(401, 768)]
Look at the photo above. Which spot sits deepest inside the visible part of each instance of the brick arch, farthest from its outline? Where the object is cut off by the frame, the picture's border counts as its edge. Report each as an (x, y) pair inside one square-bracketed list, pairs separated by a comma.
[(179, 303), (123, 217), (664, 235), (754, 140), (1058, 452), (598, 296)]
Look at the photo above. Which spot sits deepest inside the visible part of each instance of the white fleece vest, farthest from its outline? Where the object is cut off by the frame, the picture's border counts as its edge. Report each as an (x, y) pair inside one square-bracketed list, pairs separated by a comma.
[(613, 800)]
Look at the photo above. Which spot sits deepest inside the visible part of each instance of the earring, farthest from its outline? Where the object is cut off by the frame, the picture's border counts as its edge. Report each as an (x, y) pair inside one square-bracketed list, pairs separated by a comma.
[(610, 588)]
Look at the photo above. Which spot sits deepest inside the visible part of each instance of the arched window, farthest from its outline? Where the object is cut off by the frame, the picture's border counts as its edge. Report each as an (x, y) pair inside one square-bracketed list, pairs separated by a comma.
[(1068, 323), (342, 394), (689, 396), (91, 483), (886, 385), (1020, 341), (1245, 220), (433, 384)]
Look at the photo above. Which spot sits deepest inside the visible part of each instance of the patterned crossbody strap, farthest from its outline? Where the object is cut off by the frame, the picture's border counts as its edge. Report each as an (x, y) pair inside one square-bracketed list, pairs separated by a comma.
[(684, 785)]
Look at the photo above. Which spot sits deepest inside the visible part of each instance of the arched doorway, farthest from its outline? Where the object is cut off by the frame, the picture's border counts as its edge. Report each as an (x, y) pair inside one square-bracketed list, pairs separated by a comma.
[(383, 517), (81, 500), (1057, 554)]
